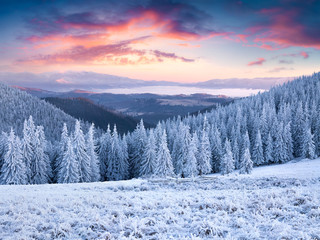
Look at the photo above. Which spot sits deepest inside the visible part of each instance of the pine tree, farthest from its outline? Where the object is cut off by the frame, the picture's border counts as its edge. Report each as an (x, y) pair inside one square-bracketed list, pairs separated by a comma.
[(39, 165), (236, 153), (245, 144), (204, 156), (317, 137), (140, 140), (104, 152), (190, 167), (257, 150), (180, 149), (118, 163), (91, 150), (298, 131), (69, 170), (81, 155), (287, 138), (264, 127), (47, 149), (28, 145), (3, 148), (62, 148), (123, 159), (164, 166), (246, 163), (227, 162), (158, 134), (279, 153), (149, 156), (13, 169), (268, 155), (216, 149), (309, 151)]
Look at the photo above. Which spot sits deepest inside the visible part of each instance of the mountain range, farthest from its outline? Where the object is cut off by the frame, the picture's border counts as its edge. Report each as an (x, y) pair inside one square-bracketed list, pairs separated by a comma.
[(150, 107), (70, 80)]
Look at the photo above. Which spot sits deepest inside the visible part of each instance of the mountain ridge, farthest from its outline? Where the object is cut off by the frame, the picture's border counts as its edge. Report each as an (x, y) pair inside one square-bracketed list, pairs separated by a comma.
[(70, 80)]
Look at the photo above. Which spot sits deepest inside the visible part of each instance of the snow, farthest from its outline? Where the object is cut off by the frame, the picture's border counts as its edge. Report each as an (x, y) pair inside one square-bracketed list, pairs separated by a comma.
[(274, 202)]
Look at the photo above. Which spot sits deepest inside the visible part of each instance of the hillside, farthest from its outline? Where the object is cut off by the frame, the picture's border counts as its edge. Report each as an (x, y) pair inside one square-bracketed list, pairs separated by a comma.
[(86, 110), (16, 106), (279, 201)]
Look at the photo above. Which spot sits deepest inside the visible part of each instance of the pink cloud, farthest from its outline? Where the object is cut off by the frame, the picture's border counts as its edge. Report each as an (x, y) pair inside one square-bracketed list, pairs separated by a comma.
[(304, 54), (243, 37), (279, 69), (120, 54), (63, 81), (260, 61), (283, 30)]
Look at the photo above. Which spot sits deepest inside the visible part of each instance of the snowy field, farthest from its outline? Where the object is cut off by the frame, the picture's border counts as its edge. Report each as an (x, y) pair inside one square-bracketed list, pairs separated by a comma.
[(275, 202)]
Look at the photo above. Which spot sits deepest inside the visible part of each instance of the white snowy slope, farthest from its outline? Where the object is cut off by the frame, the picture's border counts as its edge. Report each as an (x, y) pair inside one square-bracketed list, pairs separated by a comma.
[(275, 202)]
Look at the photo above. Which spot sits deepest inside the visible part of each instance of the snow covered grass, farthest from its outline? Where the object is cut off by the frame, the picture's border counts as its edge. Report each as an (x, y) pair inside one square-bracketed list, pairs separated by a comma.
[(275, 202)]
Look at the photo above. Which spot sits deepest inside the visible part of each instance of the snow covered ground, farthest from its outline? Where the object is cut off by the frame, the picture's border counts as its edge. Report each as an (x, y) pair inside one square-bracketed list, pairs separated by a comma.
[(275, 202)]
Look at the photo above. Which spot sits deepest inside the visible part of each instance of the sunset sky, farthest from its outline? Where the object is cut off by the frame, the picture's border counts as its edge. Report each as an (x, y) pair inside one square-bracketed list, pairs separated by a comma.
[(182, 41)]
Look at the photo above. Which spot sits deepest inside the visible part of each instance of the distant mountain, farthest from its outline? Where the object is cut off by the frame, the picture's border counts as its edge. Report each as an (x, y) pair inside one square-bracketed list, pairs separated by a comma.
[(85, 109), (67, 81), (254, 83), (91, 81), (151, 107)]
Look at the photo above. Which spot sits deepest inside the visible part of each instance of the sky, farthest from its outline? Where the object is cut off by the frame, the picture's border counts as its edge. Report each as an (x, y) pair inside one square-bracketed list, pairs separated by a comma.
[(181, 41)]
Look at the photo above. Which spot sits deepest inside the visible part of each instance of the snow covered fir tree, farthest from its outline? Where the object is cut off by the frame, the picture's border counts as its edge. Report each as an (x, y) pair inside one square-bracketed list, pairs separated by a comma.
[(270, 127)]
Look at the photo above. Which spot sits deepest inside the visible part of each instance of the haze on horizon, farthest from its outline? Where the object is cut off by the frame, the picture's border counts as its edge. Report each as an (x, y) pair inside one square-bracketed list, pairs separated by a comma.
[(180, 41)]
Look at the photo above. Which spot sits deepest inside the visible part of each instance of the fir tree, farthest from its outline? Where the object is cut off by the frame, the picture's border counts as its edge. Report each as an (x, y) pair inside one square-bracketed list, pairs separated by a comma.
[(190, 167), (81, 155), (123, 159), (149, 156), (245, 144), (246, 163), (204, 156), (216, 149), (268, 155), (28, 145), (104, 152), (140, 139), (287, 138), (164, 166), (63, 144), (227, 162), (91, 149), (69, 170), (13, 169), (46, 146), (279, 153), (298, 131), (257, 150), (118, 163), (309, 151), (317, 137), (236, 153), (3, 148), (180, 149), (39, 165)]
